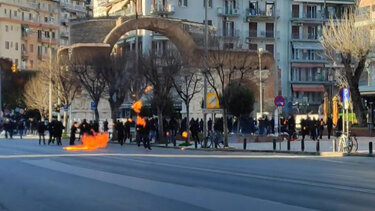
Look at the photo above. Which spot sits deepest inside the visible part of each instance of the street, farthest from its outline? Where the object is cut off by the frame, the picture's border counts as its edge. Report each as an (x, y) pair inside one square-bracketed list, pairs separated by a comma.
[(34, 177)]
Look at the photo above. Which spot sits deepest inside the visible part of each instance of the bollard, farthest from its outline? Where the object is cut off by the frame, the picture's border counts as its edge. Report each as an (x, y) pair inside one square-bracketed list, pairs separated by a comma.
[(302, 145), (196, 144), (274, 144), (370, 148), (317, 145), (334, 145), (244, 143), (288, 145)]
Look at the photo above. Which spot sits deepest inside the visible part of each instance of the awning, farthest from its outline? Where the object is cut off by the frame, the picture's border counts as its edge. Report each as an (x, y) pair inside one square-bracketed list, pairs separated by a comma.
[(308, 88), (307, 65), (308, 45)]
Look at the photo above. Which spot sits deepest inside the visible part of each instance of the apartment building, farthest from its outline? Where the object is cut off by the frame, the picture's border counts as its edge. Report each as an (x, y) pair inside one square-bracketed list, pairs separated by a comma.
[(310, 73), (70, 10), (367, 19), (28, 31)]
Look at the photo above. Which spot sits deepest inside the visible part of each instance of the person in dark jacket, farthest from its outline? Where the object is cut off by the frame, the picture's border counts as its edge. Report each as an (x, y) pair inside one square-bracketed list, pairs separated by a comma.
[(21, 128), (321, 128), (105, 126), (145, 131), (41, 130), (51, 131), (194, 128), (304, 128), (120, 132), (58, 131), (73, 131), (329, 126), (127, 134)]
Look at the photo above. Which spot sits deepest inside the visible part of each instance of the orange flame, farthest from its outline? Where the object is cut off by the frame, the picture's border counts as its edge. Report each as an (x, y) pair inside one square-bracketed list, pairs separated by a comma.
[(137, 106), (141, 121), (148, 88), (89, 143), (184, 134)]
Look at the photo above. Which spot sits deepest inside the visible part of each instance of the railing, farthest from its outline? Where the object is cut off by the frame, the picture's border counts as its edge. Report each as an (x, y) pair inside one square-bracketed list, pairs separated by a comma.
[(162, 9), (69, 6), (307, 36), (260, 13), (262, 34), (230, 34), (32, 5), (228, 11)]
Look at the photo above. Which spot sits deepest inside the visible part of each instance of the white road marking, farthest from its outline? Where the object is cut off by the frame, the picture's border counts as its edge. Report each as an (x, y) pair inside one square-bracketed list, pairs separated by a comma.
[(201, 197), (152, 155), (263, 177)]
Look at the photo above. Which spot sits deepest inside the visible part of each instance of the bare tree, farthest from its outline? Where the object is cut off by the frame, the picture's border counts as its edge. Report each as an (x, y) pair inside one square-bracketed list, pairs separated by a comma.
[(187, 84), (347, 43), (157, 70), (225, 67), (89, 75), (36, 94), (117, 78)]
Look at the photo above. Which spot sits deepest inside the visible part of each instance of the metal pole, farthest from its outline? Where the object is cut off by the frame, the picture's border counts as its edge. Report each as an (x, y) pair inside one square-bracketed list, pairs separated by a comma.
[(205, 56), (260, 83), (50, 81), (1, 96)]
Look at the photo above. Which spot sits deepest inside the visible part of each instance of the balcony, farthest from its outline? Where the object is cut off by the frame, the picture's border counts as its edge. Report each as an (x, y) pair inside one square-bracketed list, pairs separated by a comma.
[(262, 35), (306, 37), (24, 54), (230, 34), (72, 7), (160, 9), (47, 40), (261, 15), (310, 18), (64, 34), (228, 12)]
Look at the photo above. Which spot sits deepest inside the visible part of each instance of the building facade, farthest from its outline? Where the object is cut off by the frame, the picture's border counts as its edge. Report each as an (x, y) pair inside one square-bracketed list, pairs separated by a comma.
[(70, 10), (29, 29)]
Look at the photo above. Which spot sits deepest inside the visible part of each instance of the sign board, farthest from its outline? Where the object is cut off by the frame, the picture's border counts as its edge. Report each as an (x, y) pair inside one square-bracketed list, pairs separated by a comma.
[(66, 107), (93, 105), (279, 101), (346, 97), (212, 101), (212, 111)]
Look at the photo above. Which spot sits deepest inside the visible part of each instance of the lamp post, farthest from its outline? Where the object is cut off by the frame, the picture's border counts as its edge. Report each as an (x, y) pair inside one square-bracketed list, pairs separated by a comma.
[(260, 52), (205, 56)]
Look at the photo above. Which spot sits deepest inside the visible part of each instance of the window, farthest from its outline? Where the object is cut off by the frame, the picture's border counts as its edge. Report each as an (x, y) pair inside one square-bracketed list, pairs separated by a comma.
[(11, 28), (15, 14), (16, 46), (30, 16), (253, 8), (270, 48), (31, 48), (311, 11), (31, 63), (228, 45), (53, 35), (6, 28), (253, 47), (209, 3), (6, 45), (45, 50), (295, 32), (269, 30), (253, 29), (229, 6), (46, 34), (5, 11), (295, 11), (183, 3), (208, 21), (46, 19), (228, 28), (270, 9)]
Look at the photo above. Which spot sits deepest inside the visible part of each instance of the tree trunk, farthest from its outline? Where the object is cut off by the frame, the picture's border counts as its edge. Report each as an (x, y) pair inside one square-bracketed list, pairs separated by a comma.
[(65, 122), (96, 114), (160, 123), (225, 121), (238, 124), (187, 123), (359, 109)]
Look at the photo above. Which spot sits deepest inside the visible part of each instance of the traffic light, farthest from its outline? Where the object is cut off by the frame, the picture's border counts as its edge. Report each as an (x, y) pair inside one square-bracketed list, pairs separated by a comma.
[(14, 68)]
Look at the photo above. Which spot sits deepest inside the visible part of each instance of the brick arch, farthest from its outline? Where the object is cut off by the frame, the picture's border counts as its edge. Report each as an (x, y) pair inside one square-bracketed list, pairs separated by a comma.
[(172, 29)]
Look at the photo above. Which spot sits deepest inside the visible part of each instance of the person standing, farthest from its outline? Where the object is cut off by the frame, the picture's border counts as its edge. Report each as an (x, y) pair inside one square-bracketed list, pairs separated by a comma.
[(105, 126), (120, 132), (145, 135), (58, 131), (304, 128), (321, 128), (51, 126), (329, 126), (41, 130), (73, 131), (127, 130), (209, 126), (194, 128)]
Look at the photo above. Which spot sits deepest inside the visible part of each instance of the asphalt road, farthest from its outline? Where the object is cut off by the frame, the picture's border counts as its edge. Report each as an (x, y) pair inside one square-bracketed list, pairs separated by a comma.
[(34, 177)]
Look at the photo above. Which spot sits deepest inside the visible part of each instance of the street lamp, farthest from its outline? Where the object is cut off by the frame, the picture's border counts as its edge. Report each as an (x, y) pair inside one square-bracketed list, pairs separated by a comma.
[(260, 52)]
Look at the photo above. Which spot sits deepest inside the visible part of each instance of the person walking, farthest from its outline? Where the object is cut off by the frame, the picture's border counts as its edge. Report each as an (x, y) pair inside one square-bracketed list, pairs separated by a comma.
[(105, 126), (21, 128), (73, 131), (41, 130), (145, 131), (194, 128), (329, 126), (127, 134)]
